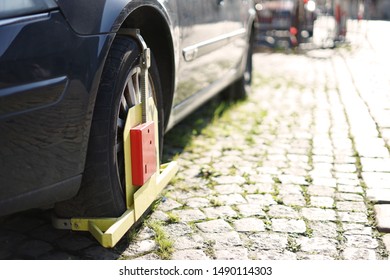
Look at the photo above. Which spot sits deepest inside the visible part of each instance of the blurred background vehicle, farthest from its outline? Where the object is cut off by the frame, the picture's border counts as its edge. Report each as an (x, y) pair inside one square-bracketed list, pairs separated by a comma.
[(284, 23)]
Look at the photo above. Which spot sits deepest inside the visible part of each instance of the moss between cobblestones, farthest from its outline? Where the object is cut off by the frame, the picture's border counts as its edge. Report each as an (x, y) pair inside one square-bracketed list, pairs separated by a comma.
[(309, 230), (250, 140), (247, 178), (216, 203), (276, 196), (173, 218), (292, 245), (233, 170), (340, 236), (306, 195), (267, 224), (165, 244), (308, 178), (207, 172), (209, 250), (276, 180)]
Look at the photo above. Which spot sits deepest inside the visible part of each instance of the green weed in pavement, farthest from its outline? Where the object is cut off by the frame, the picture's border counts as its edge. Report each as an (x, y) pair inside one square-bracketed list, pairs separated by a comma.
[(165, 244)]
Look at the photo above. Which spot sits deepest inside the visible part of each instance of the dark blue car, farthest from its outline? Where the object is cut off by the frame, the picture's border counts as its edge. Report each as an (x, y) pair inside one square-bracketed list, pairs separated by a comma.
[(69, 71)]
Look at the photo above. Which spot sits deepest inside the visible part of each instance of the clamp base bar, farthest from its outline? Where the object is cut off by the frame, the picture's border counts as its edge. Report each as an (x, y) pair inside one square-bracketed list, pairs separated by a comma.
[(108, 231)]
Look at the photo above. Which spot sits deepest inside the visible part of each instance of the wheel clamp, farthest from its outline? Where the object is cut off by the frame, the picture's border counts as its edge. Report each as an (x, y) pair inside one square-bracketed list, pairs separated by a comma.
[(144, 177)]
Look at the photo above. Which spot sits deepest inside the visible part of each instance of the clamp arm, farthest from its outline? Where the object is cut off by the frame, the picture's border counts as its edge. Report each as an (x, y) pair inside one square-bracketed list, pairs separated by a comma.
[(145, 62)]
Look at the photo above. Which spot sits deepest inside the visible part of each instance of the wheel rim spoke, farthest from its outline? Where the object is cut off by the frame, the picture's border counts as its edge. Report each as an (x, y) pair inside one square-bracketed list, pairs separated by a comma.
[(135, 80), (124, 105)]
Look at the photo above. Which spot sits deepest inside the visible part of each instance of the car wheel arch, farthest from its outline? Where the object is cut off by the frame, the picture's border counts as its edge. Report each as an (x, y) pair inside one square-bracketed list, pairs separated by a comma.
[(156, 30)]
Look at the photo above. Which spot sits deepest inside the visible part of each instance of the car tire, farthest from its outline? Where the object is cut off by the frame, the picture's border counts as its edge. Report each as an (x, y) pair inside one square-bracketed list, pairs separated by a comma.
[(102, 191)]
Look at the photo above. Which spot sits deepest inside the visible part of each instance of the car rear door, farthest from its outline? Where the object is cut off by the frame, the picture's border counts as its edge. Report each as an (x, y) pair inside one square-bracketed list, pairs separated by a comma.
[(236, 20), (203, 59)]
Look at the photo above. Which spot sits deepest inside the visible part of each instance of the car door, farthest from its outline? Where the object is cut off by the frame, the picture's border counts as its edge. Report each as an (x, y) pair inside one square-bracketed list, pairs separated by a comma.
[(236, 26), (202, 32)]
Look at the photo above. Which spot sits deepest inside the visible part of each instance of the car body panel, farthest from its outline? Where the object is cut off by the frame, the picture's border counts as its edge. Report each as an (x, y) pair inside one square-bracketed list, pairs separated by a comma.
[(50, 68), (45, 108)]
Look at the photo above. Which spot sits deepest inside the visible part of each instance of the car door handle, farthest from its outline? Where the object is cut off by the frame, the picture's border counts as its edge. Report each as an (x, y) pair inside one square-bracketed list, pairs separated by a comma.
[(221, 2)]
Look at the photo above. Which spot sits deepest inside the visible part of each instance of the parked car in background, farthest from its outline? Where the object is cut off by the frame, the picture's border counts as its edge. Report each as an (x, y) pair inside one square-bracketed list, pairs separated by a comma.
[(69, 73), (285, 23)]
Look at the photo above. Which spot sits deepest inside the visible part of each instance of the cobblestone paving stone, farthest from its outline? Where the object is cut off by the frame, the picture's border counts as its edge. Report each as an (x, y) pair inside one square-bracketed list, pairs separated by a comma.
[(291, 173)]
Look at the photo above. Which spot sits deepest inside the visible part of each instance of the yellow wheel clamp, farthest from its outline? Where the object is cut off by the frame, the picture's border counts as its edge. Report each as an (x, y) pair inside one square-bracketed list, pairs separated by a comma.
[(108, 231)]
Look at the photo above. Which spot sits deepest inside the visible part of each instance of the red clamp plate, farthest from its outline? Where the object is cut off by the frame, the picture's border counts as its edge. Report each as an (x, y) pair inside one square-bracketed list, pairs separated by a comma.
[(143, 153)]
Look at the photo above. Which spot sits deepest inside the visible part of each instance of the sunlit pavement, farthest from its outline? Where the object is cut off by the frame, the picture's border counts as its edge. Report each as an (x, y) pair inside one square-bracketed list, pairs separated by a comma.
[(369, 112), (302, 181), (295, 172), (300, 170)]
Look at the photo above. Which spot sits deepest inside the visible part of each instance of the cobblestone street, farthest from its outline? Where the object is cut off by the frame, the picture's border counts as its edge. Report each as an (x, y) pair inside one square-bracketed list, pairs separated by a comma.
[(300, 170), (292, 172)]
